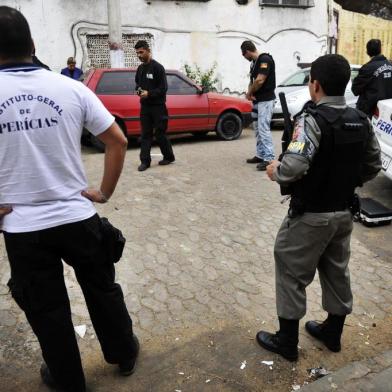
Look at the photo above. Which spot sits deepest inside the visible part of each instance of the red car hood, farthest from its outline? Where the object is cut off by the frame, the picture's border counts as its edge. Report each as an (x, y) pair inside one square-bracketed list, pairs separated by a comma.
[(230, 98)]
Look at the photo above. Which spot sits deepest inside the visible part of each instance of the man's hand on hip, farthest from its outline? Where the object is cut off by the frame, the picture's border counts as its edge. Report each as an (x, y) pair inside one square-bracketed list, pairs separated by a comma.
[(95, 195), (4, 210)]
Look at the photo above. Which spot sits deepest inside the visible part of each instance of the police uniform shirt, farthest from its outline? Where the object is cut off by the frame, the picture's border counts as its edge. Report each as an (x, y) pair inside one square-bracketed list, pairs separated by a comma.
[(373, 83), (305, 144), (152, 78), (264, 65), (42, 115)]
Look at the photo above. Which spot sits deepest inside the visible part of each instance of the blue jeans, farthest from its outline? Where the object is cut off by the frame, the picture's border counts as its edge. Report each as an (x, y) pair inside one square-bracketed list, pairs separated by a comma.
[(262, 114)]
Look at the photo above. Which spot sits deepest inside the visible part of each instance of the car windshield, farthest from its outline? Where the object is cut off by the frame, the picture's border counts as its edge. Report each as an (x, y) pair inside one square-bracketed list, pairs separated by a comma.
[(298, 79), (302, 78)]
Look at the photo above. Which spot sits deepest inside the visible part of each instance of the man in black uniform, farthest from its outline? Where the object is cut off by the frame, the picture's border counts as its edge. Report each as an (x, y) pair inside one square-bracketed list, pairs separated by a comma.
[(151, 86), (333, 150), (374, 80), (261, 92)]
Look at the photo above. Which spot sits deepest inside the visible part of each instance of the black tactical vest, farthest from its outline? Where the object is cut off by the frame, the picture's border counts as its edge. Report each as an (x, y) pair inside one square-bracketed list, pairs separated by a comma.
[(335, 172)]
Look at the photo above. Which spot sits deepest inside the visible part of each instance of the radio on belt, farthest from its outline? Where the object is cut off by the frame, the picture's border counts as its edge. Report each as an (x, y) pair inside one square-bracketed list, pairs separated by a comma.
[(373, 213)]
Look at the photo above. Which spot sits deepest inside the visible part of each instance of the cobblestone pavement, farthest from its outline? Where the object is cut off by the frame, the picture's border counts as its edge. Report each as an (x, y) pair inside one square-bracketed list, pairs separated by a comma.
[(373, 374), (198, 278)]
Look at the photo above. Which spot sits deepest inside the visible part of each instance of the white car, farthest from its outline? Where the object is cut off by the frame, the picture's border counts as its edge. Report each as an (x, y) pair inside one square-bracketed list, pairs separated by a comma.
[(382, 125), (297, 93)]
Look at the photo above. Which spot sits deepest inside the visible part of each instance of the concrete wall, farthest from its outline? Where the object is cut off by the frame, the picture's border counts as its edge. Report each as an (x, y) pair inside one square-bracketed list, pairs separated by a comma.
[(184, 32)]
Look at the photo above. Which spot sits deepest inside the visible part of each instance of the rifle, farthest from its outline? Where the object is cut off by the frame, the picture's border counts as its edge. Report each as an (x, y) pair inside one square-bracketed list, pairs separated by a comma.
[(286, 136)]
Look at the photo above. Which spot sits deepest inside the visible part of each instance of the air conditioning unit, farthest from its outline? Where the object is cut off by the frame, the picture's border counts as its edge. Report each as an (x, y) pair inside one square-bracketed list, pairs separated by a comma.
[(287, 3)]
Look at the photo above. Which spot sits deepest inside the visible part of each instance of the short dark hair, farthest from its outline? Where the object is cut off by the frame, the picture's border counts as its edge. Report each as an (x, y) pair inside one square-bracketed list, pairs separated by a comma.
[(142, 44), (373, 47), (333, 72), (248, 45), (15, 36)]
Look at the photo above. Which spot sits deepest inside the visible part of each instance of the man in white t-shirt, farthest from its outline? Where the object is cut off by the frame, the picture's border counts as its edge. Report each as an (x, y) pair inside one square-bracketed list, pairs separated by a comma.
[(47, 212)]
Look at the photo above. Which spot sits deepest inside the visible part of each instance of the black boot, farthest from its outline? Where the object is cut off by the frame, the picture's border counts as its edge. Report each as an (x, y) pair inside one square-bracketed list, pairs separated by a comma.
[(128, 367), (53, 385), (284, 342), (329, 331)]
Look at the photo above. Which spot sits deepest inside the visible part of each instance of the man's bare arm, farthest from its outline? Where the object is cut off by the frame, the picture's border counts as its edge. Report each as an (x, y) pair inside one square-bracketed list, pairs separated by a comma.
[(115, 150), (256, 85)]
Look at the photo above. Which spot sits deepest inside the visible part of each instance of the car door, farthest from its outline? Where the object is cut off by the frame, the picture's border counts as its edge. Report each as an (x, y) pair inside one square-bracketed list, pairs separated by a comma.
[(351, 99), (187, 106), (116, 89)]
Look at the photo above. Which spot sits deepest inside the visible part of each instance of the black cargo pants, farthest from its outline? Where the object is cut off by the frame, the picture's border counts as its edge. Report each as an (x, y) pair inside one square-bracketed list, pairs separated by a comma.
[(37, 285), (154, 117)]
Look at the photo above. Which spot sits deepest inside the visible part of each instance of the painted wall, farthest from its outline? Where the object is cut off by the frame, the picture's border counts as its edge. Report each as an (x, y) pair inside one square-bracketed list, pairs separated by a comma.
[(355, 30), (184, 32)]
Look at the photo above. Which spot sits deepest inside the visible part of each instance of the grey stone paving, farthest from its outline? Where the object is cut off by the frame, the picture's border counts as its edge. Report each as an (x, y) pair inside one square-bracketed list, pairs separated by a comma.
[(199, 255), (372, 375)]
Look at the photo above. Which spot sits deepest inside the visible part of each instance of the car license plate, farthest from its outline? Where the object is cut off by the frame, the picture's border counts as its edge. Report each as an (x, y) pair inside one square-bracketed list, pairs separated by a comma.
[(385, 161)]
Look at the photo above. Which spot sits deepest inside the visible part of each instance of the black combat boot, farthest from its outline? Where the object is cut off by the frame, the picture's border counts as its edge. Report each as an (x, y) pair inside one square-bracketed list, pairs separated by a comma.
[(53, 385), (128, 367), (329, 331), (283, 342)]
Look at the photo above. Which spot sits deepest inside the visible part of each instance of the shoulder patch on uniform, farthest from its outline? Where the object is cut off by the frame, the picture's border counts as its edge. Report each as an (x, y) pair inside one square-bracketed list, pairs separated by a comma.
[(264, 65), (300, 143)]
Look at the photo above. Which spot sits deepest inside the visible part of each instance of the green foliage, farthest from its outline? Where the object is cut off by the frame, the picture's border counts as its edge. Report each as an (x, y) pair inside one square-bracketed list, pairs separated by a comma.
[(205, 79)]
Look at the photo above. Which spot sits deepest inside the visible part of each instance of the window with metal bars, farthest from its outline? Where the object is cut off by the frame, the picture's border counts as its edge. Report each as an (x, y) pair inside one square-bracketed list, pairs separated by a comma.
[(287, 3), (99, 53)]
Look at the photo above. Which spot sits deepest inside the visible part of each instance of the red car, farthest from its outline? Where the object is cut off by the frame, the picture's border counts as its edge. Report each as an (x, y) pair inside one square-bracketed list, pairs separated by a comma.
[(191, 109)]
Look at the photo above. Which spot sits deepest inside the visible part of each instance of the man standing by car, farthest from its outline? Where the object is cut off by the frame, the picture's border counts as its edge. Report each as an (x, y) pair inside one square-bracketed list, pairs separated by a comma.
[(261, 91), (333, 150), (151, 86), (47, 213), (374, 80)]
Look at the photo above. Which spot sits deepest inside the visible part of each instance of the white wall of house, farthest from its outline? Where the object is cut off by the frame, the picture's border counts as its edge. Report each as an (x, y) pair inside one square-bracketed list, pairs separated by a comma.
[(184, 32)]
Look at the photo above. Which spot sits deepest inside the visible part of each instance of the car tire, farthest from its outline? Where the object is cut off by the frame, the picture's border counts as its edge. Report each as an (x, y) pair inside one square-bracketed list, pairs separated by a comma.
[(229, 126), (100, 146), (97, 144)]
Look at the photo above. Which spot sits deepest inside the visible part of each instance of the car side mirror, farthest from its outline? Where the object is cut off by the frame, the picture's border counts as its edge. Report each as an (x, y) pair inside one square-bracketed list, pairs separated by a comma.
[(202, 90)]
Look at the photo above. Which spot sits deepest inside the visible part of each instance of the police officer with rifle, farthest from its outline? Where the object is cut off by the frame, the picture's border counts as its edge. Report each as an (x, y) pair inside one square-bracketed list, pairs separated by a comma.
[(333, 150)]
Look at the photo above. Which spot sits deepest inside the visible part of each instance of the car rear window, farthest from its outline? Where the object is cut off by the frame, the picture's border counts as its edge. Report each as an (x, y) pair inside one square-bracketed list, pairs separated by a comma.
[(116, 83), (178, 86)]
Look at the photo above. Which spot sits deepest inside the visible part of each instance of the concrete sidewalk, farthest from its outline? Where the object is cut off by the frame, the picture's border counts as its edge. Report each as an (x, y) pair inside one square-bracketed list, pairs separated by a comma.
[(197, 275), (373, 374)]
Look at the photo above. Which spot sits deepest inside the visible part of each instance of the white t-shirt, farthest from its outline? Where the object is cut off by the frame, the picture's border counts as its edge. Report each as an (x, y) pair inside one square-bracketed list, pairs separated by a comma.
[(42, 115)]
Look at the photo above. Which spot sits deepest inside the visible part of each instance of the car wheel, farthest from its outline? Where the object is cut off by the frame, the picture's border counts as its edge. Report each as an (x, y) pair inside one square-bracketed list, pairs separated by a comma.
[(97, 144), (100, 146), (229, 126)]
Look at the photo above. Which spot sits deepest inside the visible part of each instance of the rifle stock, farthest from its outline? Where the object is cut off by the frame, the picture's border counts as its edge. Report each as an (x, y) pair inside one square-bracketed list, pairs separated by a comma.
[(288, 125), (286, 136)]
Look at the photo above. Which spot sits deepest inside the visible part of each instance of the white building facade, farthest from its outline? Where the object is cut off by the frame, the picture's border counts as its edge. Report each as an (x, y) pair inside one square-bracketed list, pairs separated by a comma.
[(202, 32)]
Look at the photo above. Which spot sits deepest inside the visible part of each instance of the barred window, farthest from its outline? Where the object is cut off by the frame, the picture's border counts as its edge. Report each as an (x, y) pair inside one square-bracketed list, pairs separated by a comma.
[(287, 3), (99, 53)]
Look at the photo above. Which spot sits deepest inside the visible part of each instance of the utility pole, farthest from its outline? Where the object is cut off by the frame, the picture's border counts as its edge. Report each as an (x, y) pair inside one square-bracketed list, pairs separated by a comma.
[(115, 34)]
